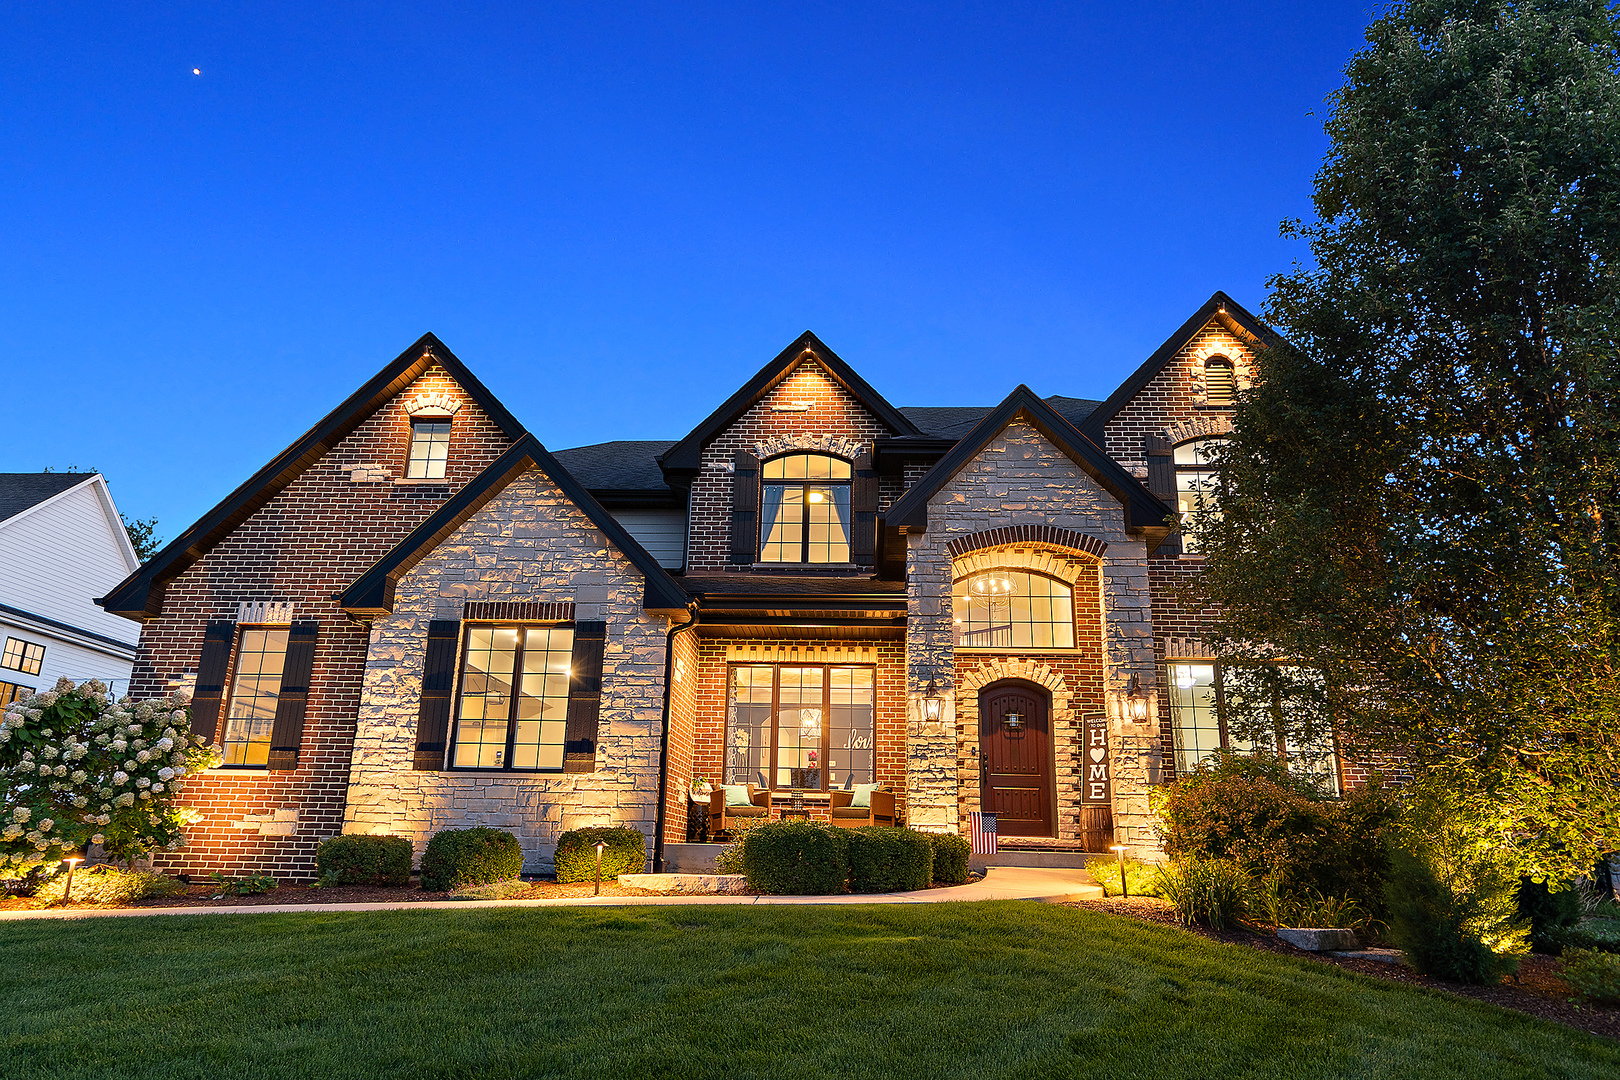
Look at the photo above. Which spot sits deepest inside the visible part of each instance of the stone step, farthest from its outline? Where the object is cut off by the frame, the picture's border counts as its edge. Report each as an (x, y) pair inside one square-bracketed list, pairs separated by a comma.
[(691, 858), (1073, 860)]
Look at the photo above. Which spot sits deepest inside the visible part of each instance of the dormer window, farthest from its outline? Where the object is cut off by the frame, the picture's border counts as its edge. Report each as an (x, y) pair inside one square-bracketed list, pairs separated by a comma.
[(804, 510), (430, 448), (1220, 381)]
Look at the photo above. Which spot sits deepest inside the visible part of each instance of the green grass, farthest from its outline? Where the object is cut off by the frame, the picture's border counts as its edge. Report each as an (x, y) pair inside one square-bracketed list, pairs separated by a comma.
[(936, 991)]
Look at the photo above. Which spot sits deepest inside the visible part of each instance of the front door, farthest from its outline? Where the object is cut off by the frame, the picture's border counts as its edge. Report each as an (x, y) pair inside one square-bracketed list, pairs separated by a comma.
[(1015, 754)]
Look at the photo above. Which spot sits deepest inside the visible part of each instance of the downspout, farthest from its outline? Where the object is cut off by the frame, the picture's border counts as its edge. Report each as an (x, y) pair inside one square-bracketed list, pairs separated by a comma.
[(663, 750)]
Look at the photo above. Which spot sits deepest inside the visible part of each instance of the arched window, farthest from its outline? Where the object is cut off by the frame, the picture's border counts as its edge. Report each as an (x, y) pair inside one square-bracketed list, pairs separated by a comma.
[(1012, 609), (1198, 480), (1220, 381), (804, 509)]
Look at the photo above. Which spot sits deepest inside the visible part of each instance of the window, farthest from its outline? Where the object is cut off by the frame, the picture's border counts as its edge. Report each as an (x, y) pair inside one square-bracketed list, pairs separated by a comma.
[(513, 711), (261, 652), (804, 510), (1198, 480), (1220, 381), (1013, 609), (800, 727), (10, 692), (1213, 705), (23, 656), (430, 449)]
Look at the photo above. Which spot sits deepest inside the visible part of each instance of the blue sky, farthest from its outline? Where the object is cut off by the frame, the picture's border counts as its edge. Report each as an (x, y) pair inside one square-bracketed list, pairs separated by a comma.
[(617, 213)]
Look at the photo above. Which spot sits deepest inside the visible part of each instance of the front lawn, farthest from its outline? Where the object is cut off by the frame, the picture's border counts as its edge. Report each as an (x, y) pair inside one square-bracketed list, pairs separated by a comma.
[(971, 990)]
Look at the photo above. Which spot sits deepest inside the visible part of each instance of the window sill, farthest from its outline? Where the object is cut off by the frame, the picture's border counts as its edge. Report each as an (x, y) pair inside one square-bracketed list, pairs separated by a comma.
[(421, 482), (800, 568), (1013, 649), (239, 770), (465, 770)]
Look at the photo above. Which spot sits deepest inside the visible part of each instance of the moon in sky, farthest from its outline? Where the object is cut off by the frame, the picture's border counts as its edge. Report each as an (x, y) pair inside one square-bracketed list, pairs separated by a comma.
[(196, 71)]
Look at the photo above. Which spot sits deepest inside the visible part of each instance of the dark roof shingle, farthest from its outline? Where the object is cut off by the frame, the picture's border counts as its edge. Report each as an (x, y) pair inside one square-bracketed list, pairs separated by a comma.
[(20, 490), (616, 466)]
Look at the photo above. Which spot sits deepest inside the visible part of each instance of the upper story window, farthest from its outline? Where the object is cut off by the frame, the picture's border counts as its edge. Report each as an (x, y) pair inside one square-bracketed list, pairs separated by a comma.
[(1013, 609), (1220, 381), (23, 656), (513, 712), (261, 656), (1197, 486), (804, 510), (1209, 703), (430, 448)]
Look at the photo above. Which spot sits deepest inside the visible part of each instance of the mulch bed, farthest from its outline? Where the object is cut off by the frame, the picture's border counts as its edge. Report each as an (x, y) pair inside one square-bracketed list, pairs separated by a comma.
[(1537, 990), (208, 895)]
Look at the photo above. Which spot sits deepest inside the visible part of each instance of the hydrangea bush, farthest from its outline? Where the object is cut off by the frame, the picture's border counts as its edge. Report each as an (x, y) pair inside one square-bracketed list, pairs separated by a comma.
[(78, 769)]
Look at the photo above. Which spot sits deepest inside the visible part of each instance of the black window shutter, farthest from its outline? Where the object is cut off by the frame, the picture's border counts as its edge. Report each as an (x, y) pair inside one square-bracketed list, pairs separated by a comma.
[(863, 503), (584, 697), (744, 508), (438, 682), (1161, 480), (213, 669), (287, 733)]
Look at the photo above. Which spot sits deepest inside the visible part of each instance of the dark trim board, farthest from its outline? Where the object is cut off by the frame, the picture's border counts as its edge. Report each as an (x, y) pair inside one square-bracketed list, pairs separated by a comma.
[(372, 594), (687, 455), (140, 596)]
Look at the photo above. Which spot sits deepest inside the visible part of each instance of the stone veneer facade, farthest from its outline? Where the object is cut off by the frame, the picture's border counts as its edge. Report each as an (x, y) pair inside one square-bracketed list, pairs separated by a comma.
[(529, 543)]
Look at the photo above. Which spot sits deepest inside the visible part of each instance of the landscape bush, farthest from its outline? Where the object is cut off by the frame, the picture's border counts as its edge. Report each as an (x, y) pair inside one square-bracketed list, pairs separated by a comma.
[(1143, 878), (884, 859), (796, 858), (364, 860), (1550, 914), (1595, 976), (110, 886), (457, 857), (1455, 931), (1598, 935), (1206, 892), (950, 857), (626, 853), (1249, 809)]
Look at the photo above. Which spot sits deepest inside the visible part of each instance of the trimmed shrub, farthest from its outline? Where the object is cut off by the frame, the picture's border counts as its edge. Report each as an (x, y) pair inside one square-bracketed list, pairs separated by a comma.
[(1206, 892), (884, 859), (1439, 928), (364, 860), (1549, 914), (796, 858), (1599, 935), (626, 853), (1595, 976), (1249, 809), (950, 857), (107, 884), (457, 857), (1143, 878)]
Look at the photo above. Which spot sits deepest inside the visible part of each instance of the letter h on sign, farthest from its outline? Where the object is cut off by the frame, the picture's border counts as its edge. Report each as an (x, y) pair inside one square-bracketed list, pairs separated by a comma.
[(1096, 758)]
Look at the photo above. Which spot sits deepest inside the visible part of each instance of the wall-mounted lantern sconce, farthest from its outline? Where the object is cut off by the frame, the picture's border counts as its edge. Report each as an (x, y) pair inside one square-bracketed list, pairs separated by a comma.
[(933, 704), (1136, 702)]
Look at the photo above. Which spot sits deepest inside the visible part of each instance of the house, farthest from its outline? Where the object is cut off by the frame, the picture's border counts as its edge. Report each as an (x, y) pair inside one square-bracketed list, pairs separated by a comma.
[(418, 617), (61, 544)]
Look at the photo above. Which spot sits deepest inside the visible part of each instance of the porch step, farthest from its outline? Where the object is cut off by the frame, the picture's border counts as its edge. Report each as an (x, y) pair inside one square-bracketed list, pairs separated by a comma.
[(1070, 860)]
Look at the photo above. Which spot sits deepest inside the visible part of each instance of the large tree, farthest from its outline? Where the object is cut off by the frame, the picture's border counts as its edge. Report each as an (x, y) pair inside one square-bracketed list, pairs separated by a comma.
[(1421, 496)]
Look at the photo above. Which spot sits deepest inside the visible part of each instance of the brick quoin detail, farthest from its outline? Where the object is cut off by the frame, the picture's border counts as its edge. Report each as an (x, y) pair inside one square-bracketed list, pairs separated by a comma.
[(833, 413), (1027, 534), (307, 543)]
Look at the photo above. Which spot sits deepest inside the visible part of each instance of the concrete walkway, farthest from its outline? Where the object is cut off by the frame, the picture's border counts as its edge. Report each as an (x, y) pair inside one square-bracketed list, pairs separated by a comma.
[(1050, 885)]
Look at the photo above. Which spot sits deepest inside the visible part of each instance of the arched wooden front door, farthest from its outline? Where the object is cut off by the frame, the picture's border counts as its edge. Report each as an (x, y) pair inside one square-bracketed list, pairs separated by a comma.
[(1015, 756)]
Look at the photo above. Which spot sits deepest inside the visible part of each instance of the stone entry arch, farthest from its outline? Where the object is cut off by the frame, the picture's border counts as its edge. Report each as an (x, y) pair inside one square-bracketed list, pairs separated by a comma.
[(972, 677)]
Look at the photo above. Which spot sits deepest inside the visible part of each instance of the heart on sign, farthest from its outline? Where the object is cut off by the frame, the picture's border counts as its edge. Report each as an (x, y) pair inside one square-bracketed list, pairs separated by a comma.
[(1096, 753)]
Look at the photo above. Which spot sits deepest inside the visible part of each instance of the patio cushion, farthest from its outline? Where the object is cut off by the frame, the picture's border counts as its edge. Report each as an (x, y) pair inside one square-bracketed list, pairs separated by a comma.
[(746, 811), (860, 812), (863, 794), (737, 795)]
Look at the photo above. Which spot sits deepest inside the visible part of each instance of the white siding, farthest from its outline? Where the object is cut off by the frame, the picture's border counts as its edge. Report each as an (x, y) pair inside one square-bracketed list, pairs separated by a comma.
[(55, 558), (661, 532), (64, 658)]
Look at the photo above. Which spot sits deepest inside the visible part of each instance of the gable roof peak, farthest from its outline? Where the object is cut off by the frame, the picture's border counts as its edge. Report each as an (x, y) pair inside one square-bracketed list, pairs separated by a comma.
[(686, 455)]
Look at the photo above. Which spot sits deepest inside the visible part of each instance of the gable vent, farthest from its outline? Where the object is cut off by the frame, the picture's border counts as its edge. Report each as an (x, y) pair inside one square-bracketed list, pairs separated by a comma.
[(1220, 381)]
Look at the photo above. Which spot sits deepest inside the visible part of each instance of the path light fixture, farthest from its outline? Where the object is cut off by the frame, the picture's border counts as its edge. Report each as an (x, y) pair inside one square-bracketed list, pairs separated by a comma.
[(1136, 702), (933, 704), (601, 846), (1124, 886), (67, 890)]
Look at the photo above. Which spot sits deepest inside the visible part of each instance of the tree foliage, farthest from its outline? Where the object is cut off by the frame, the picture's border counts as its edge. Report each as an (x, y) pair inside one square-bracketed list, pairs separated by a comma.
[(1421, 497)]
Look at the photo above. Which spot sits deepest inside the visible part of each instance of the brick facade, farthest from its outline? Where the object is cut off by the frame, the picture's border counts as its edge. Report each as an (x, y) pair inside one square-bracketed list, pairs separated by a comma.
[(830, 413), (311, 540)]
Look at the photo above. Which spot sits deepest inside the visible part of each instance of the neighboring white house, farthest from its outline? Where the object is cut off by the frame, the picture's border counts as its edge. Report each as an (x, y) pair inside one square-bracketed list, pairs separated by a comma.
[(62, 543)]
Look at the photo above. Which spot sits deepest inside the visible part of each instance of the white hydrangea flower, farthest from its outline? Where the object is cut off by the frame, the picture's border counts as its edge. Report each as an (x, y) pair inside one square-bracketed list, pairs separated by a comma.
[(79, 802), (44, 770), (166, 773), (131, 764), (45, 824), (158, 786), (79, 776), (144, 756), (126, 799), (98, 839), (165, 744), (22, 813), (120, 778), (143, 782), (60, 770)]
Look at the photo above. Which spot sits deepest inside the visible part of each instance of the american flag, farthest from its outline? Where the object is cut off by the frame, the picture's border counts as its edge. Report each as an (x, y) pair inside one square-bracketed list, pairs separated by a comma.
[(983, 827)]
